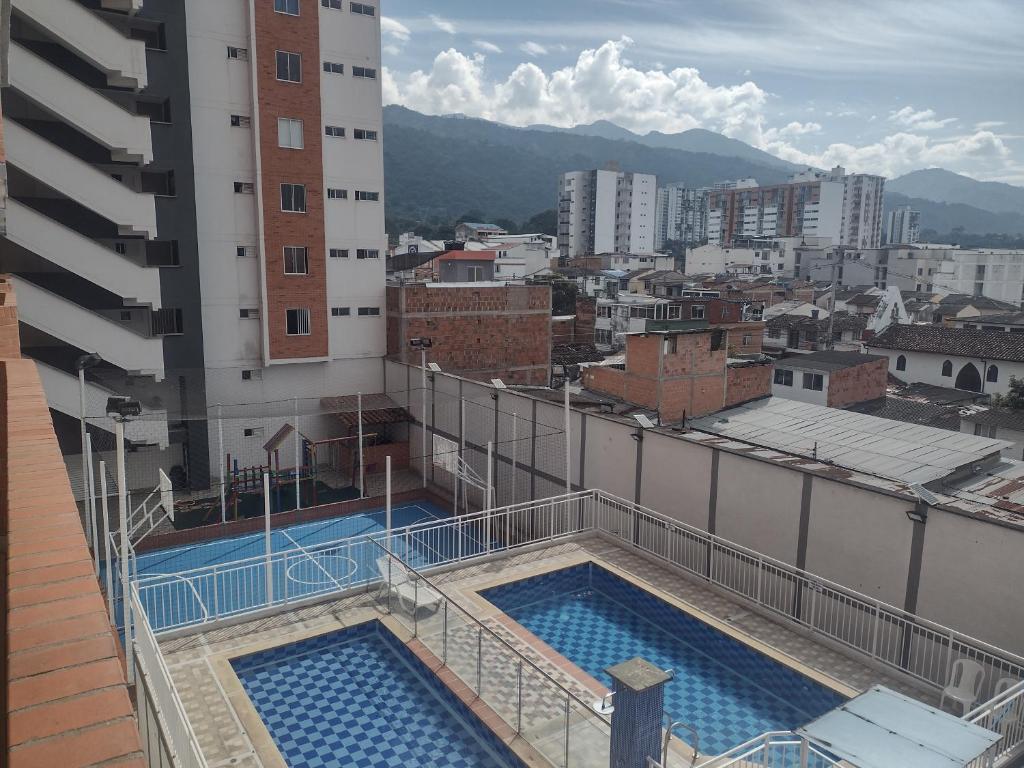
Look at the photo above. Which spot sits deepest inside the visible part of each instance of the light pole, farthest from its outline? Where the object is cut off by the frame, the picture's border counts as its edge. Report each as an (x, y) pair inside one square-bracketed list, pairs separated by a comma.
[(83, 363), (122, 409), (423, 345)]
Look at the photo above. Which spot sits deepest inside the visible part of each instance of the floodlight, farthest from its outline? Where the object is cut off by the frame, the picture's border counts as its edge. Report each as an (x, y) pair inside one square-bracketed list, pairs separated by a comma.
[(498, 384), (643, 421), (434, 367)]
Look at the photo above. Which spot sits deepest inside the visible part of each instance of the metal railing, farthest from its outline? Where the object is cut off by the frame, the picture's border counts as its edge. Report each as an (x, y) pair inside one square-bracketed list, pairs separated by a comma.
[(777, 748), (564, 728), (158, 696), (1003, 714)]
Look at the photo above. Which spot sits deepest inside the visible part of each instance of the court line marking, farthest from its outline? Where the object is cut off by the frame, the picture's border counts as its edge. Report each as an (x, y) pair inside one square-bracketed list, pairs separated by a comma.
[(312, 560)]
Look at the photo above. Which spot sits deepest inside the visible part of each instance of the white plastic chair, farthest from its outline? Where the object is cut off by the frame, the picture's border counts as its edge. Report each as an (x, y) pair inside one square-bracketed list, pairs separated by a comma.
[(964, 685), (410, 594), (1008, 717)]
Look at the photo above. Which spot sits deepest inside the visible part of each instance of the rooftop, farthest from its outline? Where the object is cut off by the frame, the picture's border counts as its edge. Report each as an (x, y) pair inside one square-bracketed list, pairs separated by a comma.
[(827, 361), (995, 417), (852, 440), (939, 340)]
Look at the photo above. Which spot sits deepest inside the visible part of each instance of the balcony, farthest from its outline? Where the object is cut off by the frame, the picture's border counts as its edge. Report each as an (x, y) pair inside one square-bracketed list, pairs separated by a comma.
[(133, 213), (126, 135), (62, 395), (89, 331), (122, 60), (84, 257)]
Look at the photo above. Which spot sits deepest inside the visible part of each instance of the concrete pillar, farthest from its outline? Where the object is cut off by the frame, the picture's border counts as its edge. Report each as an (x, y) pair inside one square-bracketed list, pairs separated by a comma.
[(639, 701)]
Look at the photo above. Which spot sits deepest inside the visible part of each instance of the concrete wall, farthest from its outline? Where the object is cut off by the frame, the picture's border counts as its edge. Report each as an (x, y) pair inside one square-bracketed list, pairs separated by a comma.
[(955, 569)]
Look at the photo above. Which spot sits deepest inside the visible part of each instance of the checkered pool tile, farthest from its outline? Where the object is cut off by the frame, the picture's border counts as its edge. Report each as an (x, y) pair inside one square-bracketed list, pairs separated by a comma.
[(356, 699), (727, 690)]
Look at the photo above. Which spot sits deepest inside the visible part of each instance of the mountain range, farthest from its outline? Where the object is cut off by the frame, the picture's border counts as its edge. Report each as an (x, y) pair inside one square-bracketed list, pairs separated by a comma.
[(439, 167)]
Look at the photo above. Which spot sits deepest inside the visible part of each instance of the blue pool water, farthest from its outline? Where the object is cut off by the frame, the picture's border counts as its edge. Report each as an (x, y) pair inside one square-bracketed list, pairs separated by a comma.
[(180, 586), (360, 698), (727, 690)]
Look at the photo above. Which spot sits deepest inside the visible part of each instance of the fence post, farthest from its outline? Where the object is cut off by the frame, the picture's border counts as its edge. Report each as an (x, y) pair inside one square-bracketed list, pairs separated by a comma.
[(515, 445), (298, 461), (267, 541), (874, 638), (222, 460), (568, 440), (423, 424), (122, 505), (490, 496), (362, 473), (106, 542), (91, 502), (387, 497)]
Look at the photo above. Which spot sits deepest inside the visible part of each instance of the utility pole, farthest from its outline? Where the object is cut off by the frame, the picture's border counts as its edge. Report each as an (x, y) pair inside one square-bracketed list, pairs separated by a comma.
[(832, 299)]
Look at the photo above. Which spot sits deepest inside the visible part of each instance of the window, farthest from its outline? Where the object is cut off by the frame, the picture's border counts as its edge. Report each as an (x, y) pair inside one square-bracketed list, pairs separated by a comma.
[(992, 376), (249, 313), (254, 375), (334, 130), (901, 363), (717, 341), (337, 194), (242, 54), (475, 274), (293, 198), (289, 67), (367, 253), (167, 322), (341, 311), (289, 133), (296, 260), (245, 251), (814, 381), (121, 248), (783, 378), (363, 8), (162, 253), (947, 368), (253, 432), (291, 7), (297, 322), (364, 135), (241, 121), (697, 312), (334, 68), (366, 72), (244, 188), (372, 197), (369, 311), (335, 4), (339, 253)]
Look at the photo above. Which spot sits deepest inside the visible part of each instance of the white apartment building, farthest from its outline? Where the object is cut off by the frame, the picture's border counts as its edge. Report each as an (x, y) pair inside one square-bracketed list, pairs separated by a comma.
[(846, 208), (606, 212), (997, 274), (518, 258), (197, 196), (775, 257), (902, 226), (681, 215)]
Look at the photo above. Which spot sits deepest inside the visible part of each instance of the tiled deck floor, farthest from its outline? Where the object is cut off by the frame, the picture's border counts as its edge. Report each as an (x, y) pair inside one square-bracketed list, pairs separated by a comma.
[(230, 733)]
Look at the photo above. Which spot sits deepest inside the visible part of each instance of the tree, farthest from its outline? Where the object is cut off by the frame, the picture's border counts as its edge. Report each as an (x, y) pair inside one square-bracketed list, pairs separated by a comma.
[(1014, 399), (545, 223), (507, 224)]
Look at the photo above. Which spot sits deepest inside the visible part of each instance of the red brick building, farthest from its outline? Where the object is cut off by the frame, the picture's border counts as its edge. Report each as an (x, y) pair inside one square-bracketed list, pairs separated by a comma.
[(682, 374), (833, 379), (482, 332)]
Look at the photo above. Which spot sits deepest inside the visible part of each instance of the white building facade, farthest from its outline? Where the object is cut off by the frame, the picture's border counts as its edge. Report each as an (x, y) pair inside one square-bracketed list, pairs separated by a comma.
[(997, 274), (681, 216), (606, 212), (902, 226)]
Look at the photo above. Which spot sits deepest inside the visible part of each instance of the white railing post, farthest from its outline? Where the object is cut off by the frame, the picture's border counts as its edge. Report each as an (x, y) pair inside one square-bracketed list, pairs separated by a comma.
[(91, 501), (223, 460), (423, 425), (387, 495), (106, 543), (515, 446), (267, 542), (490, 496), (298, 461), (362, 472), (122, 508), (568, 441)]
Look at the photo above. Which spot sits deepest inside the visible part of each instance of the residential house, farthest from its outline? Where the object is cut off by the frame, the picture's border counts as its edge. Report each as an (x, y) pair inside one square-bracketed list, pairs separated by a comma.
[(997, 423), (464, 267), (835, 379), (1012, 322), (469, 230), (811, 334)]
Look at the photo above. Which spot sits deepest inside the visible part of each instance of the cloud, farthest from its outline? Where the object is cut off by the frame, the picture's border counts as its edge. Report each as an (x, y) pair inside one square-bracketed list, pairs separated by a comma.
[(442, 24), (394, 29), (791, 130), (486, 46), (985, 125), (919, 120), (533, 49), (599, 85)]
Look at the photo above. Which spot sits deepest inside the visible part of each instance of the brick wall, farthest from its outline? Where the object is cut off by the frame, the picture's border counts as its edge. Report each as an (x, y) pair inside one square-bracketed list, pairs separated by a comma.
[(563, 330), (66, 701), (605, 380), (749, 382), (479, 332), (586, 319), (858, 384), (295, 34), (745, 338)]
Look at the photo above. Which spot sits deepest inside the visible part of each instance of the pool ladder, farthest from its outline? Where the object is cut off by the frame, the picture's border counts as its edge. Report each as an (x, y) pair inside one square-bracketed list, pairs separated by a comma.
[(604, 706)]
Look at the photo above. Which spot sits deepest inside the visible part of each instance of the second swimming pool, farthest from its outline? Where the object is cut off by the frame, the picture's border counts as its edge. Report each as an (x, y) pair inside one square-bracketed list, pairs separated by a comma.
[(726, 689)]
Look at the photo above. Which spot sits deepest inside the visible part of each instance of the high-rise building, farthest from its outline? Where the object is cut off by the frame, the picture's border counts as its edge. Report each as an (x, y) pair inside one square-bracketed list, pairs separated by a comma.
[(606, 212), (902, 226), (196, 195), (681, 215), (846, 208)]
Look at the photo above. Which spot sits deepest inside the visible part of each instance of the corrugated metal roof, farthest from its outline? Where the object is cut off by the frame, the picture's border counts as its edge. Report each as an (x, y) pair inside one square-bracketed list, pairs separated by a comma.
[(890, 449)]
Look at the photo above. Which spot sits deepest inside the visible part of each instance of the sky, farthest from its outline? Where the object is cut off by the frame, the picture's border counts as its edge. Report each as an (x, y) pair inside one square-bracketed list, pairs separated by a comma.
[(879, 86)]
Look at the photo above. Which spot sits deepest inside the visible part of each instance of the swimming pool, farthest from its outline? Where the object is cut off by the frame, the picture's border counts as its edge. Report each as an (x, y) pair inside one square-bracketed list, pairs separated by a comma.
[(359, 697), (728, 691), (191, 584)]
